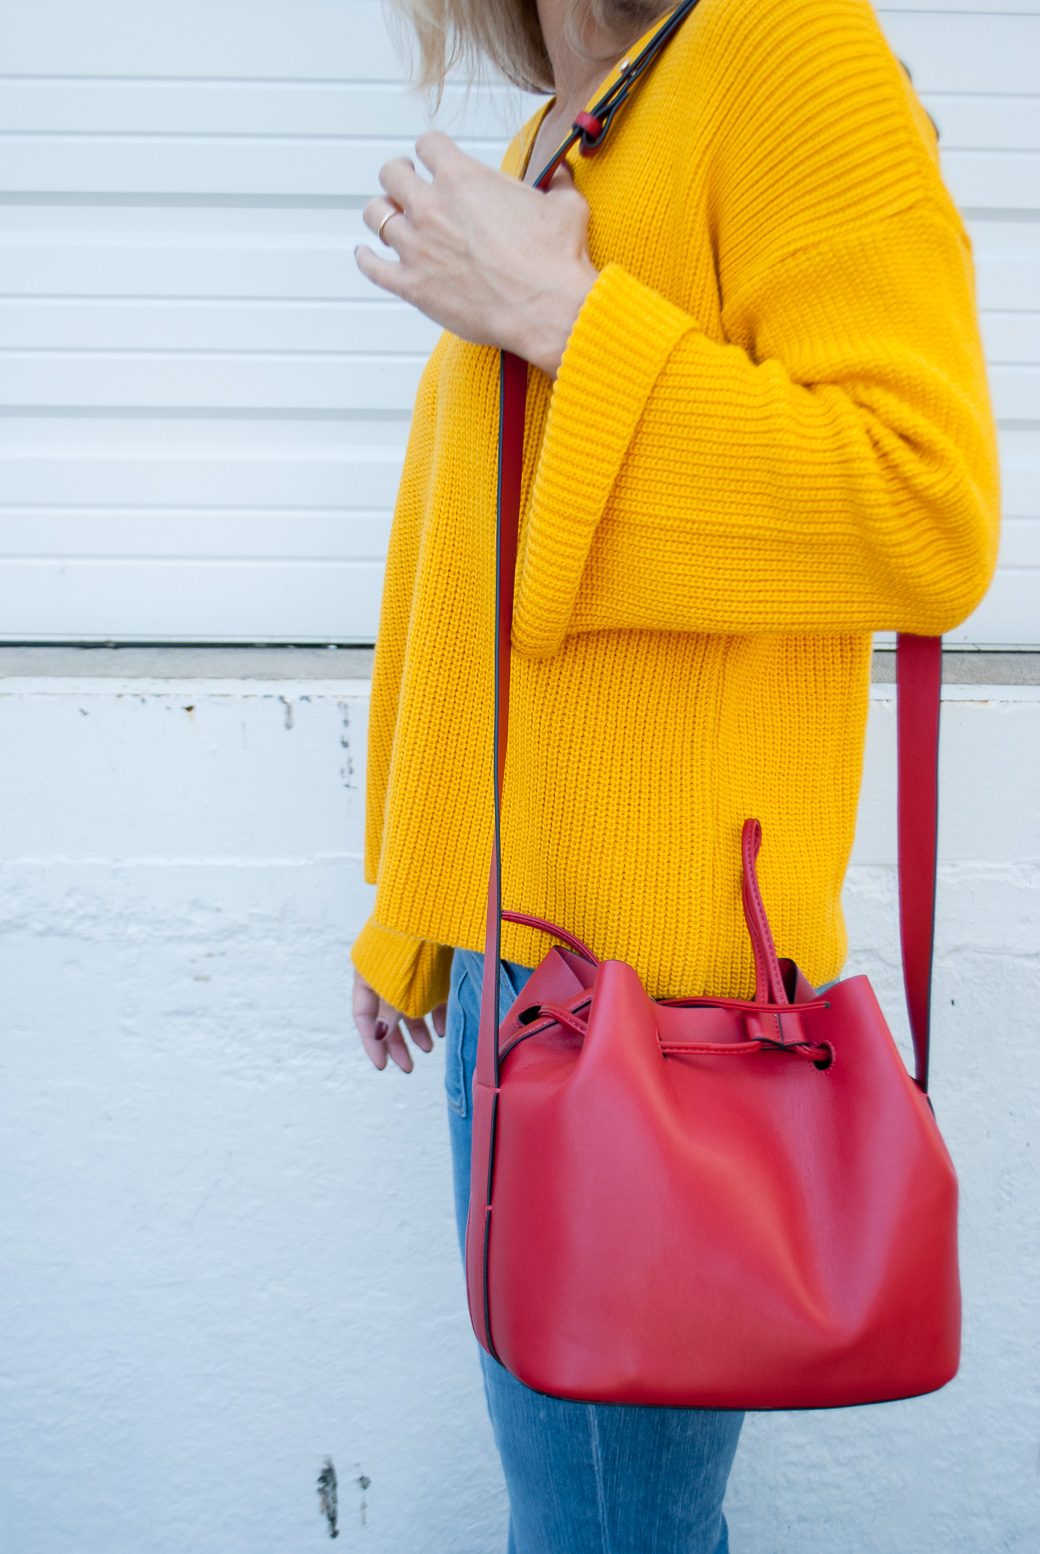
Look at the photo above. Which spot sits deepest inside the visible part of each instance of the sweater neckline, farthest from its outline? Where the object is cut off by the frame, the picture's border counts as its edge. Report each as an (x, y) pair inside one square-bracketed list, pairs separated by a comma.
[(536, 121)]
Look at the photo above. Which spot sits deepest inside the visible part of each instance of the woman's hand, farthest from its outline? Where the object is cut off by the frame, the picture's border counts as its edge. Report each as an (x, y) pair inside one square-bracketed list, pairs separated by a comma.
[(379, 1027), (488, 257)]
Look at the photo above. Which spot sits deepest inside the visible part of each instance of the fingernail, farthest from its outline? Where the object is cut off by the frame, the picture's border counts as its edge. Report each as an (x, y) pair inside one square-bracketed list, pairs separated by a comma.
[(381, 1030)]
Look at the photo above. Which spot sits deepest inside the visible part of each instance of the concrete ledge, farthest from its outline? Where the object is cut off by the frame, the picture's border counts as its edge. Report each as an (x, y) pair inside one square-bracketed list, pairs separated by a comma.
[(968, 668), (186, 663), (354, 663)]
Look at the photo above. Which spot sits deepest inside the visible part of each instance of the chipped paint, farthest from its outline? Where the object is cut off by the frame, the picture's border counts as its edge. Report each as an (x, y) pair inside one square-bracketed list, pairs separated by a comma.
[(364, 1483), (328, 1496)]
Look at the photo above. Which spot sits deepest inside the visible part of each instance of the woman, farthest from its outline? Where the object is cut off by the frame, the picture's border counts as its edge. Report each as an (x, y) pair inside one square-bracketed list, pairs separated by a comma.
[(757, 431)]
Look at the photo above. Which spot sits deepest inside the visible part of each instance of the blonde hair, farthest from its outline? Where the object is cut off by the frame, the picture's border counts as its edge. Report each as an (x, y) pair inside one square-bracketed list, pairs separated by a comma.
[(505, 34)]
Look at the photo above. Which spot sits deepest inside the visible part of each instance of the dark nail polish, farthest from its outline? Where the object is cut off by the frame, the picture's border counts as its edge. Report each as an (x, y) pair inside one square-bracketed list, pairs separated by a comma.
[(381, 1030)]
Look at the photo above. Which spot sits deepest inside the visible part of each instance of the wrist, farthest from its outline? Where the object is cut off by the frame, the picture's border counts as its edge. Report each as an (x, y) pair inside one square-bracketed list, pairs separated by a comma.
[(545, 340)]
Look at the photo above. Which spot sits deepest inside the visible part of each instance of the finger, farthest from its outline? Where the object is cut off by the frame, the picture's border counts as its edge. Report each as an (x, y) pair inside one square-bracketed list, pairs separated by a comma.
[(390, 225), (440, 1019), (401, 182), (394, 231), (562, 188), (570, 205), (397, 1048), (420, 1034), (373, 210), (563, 178), (382, 272), (365, 1021), (378, 214), (374, 1042), (434, 149), (364, 999), (376, 1053), (365, 1009)]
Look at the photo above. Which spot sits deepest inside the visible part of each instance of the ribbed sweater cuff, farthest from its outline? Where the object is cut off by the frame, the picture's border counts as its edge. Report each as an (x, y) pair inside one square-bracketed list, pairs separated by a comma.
[(412, 975), (621, 339)]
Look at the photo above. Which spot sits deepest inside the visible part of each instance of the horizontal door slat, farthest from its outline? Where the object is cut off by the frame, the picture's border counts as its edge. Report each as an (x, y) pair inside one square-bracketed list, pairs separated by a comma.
[(235, 39), (1020, 544), (177, 601), (1015, 392), (1011, 337), (993, 180), (301, 255), (121, 462), (127, 270), (248, 381), (289, 110), (1007, 264), (1020, 473), (192, 533), (986, 53), (979, 7), (189, 165), (230, 324), (980, 123), (1010, 613)]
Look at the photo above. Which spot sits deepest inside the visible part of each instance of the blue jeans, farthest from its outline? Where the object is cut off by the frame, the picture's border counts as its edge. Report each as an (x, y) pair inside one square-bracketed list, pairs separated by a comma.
[(585, 1478)]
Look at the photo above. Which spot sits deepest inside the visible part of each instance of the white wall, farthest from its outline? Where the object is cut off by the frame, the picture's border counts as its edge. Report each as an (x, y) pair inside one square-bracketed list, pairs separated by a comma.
[(202, 404), (227, 1243)]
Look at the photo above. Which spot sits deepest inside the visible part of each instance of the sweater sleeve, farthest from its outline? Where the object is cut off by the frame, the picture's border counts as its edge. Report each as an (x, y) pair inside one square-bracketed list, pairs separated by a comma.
[(830, 464), (395, 610), (411, 974)]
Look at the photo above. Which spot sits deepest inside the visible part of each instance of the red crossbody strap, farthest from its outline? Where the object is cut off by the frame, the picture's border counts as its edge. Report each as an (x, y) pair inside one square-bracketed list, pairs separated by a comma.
[(919, 685), (591, 126), (590, 129), (512, 411)]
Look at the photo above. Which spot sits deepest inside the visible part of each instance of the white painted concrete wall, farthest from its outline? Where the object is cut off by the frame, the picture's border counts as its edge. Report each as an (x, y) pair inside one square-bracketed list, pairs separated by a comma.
[(226, 1242)]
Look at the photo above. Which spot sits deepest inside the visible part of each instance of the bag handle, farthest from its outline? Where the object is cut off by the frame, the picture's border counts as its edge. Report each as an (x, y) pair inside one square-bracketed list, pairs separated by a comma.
[(918, 675)]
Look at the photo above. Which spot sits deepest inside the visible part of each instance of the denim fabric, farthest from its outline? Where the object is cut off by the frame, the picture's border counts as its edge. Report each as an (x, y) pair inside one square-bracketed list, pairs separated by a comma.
[(585, 1478)]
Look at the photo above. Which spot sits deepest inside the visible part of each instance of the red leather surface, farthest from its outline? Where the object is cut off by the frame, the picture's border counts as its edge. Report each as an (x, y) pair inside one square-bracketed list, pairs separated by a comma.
[(703, 1202), (668, 1227), (753, 1233), (919, 672), (560, 933), (513, 394)]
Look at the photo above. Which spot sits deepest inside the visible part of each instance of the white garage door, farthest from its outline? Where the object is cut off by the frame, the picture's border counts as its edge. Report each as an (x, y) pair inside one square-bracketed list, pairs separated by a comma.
[(202, 405)]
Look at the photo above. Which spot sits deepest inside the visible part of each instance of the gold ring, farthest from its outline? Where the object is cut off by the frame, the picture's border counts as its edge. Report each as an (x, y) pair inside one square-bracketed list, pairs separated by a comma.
[(397, 211)]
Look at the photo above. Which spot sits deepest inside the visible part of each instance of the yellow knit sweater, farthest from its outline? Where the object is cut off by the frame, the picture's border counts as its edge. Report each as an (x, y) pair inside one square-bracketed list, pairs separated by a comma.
[(770, 436)]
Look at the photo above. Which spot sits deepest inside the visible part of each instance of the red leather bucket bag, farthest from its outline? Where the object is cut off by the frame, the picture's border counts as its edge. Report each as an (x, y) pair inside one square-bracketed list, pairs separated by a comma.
[(711, 1202)]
